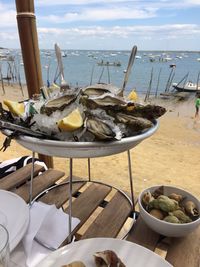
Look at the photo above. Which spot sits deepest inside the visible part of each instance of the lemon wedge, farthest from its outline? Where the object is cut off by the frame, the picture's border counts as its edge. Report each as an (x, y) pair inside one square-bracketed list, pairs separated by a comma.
[(133, 95), (71, 122), (15, 108)]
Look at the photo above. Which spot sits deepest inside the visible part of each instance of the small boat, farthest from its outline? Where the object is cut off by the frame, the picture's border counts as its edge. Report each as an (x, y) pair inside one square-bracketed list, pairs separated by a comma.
[(107, 63), (172, 65), (188, 87)]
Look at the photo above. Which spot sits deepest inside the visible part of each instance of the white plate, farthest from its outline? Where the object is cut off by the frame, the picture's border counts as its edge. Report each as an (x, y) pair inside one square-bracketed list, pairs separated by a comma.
[(131, 254), (17, 213), (68, 149)]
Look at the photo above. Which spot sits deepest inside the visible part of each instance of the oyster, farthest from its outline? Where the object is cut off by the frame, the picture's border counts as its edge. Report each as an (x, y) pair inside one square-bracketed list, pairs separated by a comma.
[(99, 89), (59, 103), (106, 101), (107, 258), (149, 111), (103, 129), (137, 123)]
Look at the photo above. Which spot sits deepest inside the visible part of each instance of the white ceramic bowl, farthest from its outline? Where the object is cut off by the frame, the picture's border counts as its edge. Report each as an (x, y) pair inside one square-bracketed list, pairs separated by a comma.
[(165, 228)]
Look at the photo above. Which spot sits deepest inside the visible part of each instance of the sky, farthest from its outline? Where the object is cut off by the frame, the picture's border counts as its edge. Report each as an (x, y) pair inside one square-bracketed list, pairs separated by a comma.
[(108, 24)]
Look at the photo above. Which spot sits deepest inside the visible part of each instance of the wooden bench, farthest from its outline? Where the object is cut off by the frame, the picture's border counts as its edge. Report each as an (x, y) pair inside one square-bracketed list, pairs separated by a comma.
[(103, 212)]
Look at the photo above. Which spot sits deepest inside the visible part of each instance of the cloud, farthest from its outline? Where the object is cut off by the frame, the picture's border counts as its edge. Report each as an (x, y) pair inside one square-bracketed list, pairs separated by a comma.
[(137, 3), (7, 17), (124, 32), (102, 14)]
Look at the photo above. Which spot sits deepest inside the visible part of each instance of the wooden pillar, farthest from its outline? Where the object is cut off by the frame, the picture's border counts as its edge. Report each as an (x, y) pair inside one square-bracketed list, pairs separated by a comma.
[(27, 29)]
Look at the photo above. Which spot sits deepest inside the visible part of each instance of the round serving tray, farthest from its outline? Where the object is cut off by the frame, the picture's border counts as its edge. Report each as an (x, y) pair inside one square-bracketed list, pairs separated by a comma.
[(66, 149)]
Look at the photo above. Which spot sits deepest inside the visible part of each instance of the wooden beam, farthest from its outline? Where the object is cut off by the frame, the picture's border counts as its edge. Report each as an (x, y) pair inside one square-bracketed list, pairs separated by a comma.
[(27, 29)]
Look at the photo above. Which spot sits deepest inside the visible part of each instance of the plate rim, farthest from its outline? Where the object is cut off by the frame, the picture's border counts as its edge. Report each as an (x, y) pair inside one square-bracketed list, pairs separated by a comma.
[(22, 230), (71, 144), (68, 247)]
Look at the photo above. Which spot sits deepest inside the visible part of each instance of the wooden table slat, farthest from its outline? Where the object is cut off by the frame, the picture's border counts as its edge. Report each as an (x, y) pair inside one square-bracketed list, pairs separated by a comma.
[(88, 201), (19, 176), (143, 235), (185, 251), (40, 183), (110, 221), (60, 195)]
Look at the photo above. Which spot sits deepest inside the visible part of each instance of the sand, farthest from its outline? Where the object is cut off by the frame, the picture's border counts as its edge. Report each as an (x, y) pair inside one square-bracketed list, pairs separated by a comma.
[(170, 157)]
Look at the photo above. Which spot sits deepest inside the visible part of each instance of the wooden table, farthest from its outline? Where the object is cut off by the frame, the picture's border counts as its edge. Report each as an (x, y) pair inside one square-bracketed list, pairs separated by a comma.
[(103, 212)]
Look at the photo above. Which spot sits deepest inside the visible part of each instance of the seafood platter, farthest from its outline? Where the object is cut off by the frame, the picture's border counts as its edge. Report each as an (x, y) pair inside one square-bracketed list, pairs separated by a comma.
[(92, 121), (169, 211), (86, 119)]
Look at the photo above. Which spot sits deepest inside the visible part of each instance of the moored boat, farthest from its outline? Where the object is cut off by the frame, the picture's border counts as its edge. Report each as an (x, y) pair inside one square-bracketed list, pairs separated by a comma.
[(188, 87)]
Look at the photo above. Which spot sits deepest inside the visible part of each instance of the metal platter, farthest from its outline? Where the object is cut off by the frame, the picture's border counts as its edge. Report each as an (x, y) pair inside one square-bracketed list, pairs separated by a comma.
[(66, 149)]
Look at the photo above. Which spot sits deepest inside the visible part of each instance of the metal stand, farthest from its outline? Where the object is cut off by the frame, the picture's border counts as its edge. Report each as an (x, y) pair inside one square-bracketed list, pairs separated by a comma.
[(31, 181), (70, 182)]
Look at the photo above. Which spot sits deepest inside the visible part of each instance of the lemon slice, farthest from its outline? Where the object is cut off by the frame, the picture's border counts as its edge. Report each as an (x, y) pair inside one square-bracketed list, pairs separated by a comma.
[(133, 95), (72, 122), (15, 108)]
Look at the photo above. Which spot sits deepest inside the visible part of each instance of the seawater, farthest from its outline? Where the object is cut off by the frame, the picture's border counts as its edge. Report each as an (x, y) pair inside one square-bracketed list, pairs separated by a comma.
[(81, 68)]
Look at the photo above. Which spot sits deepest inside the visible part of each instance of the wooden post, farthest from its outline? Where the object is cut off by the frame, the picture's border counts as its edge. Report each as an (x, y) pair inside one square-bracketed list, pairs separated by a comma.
[(26, 21)]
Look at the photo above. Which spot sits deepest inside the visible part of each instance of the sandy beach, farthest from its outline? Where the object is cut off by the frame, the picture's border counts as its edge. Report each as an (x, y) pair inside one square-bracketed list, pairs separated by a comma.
[(170, 157)]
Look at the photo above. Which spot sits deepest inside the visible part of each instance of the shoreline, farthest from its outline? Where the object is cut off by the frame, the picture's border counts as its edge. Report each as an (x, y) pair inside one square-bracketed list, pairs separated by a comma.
[(169, 157)]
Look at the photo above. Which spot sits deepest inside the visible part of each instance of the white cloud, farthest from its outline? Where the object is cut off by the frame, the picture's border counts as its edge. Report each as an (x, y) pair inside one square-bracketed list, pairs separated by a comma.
[(7, 17), (102, 14), (136, 3), (124, 32)]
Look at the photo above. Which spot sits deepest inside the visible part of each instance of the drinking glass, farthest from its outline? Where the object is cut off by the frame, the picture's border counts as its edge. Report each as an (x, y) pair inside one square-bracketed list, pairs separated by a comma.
[(4, 247)]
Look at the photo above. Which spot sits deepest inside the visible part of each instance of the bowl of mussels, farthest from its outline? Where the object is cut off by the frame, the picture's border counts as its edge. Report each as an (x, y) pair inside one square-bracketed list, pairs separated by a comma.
[(169, 211)]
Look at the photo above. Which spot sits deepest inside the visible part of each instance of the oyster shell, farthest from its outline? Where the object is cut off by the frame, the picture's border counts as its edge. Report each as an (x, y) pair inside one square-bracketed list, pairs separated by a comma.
[(137, 123), (99, 89), (59, 103), (106, 101), (107, 258), (149, 111), (103, 129)]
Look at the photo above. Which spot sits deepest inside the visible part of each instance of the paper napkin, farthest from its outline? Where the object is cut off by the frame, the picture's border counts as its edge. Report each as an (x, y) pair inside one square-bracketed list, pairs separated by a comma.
[(50, 226)]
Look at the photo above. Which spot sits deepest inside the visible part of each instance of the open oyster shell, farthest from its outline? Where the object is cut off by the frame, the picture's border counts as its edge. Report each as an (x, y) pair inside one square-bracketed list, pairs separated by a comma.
[(107, 258)]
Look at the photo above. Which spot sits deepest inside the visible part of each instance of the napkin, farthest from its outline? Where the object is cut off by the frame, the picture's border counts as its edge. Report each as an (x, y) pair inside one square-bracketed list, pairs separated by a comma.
[(50, 226)]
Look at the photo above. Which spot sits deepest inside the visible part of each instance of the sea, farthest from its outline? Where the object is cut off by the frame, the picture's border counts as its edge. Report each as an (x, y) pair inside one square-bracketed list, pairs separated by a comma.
[(155, 71)]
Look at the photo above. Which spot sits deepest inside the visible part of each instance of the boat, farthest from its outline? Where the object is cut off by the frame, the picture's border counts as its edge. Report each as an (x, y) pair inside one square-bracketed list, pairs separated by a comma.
[(107, 63), (188, 87), (173, 65)]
